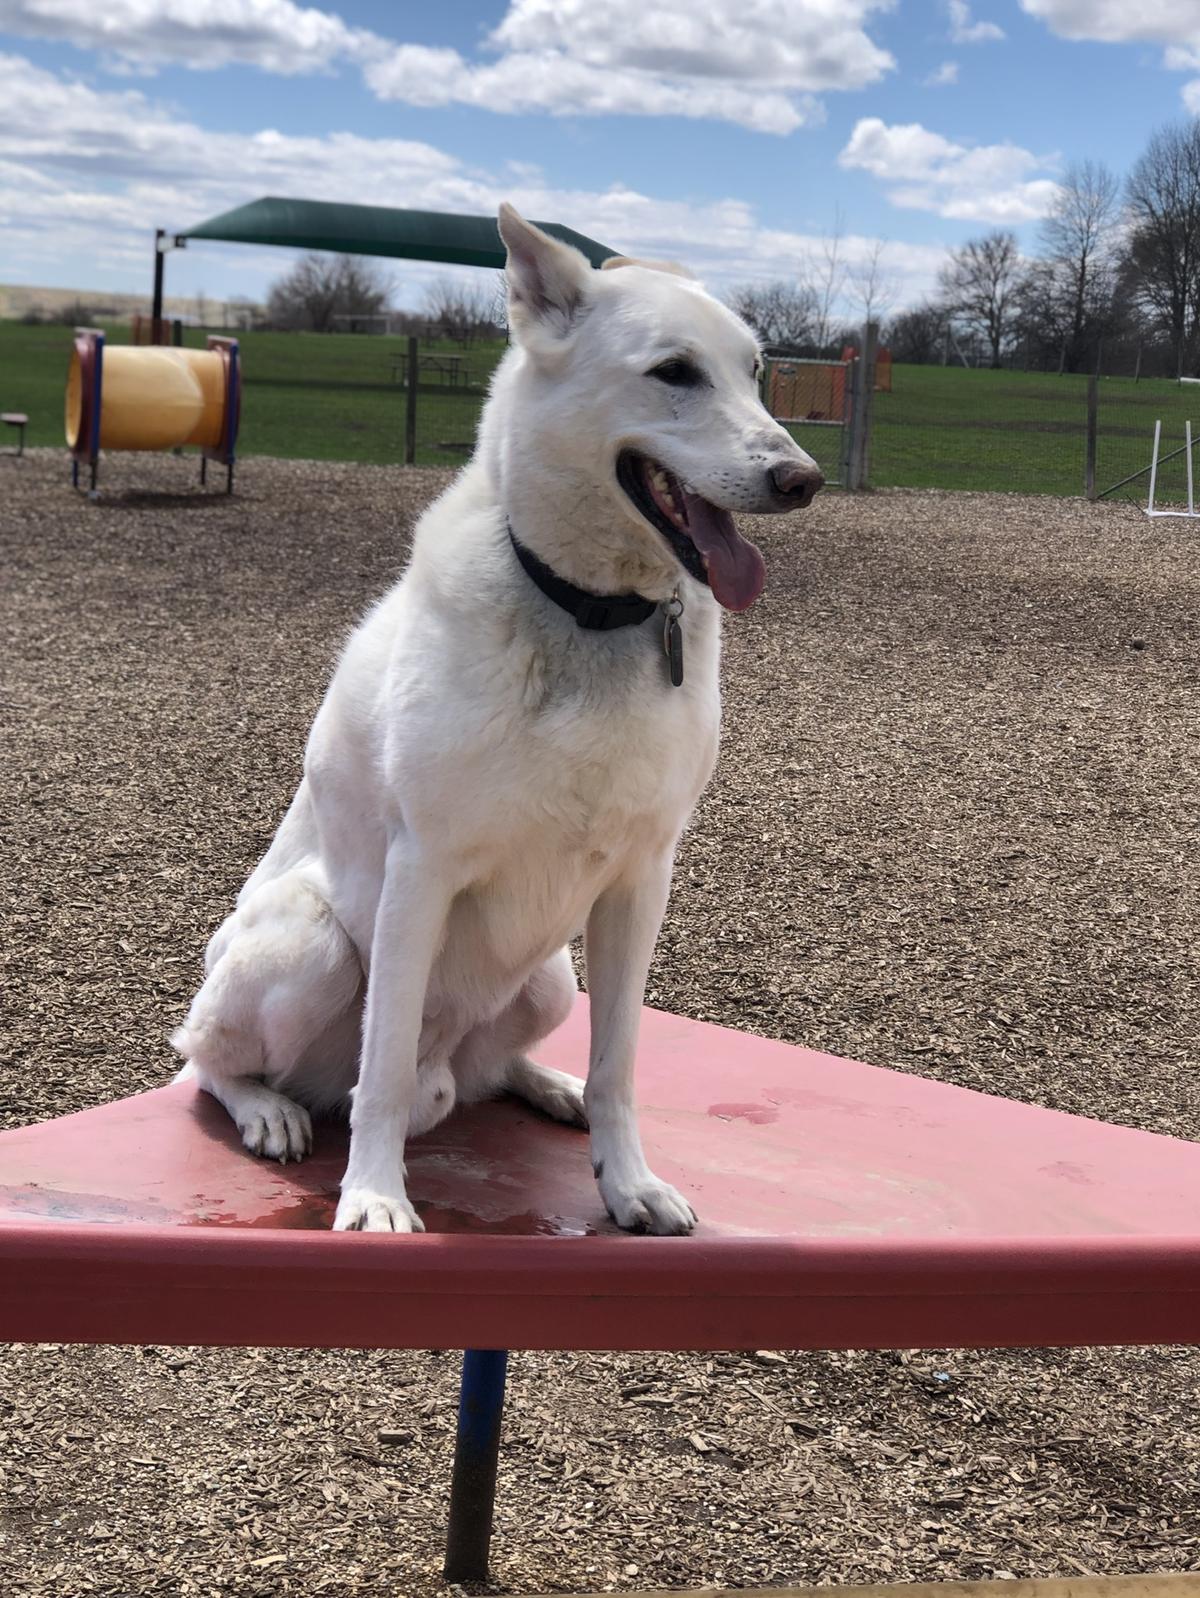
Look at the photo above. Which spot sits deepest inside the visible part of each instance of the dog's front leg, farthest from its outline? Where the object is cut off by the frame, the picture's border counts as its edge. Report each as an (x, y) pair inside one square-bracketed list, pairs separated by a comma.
[(409, 925), (621, 932)]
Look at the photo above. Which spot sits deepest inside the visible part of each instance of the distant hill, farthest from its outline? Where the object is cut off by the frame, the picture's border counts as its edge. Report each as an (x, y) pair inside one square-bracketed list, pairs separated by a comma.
[(16, 299)]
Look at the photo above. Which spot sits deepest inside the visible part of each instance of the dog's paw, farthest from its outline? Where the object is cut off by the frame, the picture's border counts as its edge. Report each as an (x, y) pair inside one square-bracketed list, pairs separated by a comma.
[(278, 1131), (566, 1104), (361, 1209), (555, 1093), (649, 1205)]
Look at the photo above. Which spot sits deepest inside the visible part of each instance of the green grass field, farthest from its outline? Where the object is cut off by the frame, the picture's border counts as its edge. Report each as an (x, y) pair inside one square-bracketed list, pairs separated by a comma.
[(1021, 432), (305, 396), (335, 397)]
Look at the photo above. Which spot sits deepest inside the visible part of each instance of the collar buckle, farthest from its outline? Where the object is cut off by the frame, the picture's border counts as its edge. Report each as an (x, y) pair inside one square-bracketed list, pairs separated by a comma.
[(592, 614)]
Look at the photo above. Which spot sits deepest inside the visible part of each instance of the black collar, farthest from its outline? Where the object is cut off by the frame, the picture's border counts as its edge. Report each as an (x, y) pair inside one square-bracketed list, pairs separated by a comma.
[(595, 612)]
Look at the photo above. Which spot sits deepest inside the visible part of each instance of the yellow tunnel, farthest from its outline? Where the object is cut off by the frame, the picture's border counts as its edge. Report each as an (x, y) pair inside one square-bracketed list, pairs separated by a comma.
[(153, 398)]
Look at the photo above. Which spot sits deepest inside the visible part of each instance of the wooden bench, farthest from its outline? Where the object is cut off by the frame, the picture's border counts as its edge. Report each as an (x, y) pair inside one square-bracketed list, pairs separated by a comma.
[(20, 421)]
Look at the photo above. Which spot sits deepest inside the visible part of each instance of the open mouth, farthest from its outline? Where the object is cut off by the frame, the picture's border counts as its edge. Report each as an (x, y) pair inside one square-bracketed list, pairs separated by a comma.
[(701, 535)]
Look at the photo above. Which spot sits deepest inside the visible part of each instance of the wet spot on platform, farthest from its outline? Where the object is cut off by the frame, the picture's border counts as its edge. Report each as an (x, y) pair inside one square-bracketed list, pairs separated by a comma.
[(758, 1114)]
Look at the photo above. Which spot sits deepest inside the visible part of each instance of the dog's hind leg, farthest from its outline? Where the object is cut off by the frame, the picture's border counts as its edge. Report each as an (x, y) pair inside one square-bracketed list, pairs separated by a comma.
[(282, 971), (491, 1060)]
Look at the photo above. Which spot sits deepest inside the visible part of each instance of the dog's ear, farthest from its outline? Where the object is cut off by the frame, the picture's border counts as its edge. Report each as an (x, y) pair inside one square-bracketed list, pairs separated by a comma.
[(673, 267), (547, 281)]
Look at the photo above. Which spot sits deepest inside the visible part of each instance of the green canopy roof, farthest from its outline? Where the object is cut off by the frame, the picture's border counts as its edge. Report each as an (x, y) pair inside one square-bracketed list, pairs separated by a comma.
[(376, 230)]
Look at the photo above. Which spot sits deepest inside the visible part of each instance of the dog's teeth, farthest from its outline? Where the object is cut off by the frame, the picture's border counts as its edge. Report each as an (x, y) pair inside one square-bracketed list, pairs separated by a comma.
[(662, 488)]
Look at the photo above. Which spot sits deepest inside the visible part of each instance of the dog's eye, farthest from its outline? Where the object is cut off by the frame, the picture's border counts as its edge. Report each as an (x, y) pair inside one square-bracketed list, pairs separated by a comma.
[(678, 373)]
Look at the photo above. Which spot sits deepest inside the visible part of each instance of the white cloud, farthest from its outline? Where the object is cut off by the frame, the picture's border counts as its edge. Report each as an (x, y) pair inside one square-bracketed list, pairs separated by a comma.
[(572, 57), (924, 171), (1120, 21), (274, 35), (794, 44), (561, 56), (1174, 24), (964, 31), (946, 74), (545, 81), (88, 175)]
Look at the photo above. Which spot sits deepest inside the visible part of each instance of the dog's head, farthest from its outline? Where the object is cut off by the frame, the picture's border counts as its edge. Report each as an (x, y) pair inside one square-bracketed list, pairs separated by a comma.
[(641, 380)]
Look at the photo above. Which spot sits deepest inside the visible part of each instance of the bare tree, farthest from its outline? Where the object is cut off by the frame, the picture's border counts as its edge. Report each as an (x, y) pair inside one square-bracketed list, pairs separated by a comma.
[(783, 314), (918, 336), (459, 312), (980, 285), (1077, 240), (1163, 195), (872, 286), (826, 271), (322, 287)]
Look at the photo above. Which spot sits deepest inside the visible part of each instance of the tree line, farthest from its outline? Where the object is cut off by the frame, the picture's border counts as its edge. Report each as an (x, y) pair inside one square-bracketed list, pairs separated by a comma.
[(1114, 285), (353, 294)]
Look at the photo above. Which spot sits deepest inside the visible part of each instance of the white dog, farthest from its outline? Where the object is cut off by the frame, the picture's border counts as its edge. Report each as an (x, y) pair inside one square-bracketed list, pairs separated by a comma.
[(506, 753)]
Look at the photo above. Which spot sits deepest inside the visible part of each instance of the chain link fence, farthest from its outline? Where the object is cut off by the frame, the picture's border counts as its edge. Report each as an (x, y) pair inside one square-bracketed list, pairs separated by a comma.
[(1025, 432), (946, 427), (444, 391), (962, 428)]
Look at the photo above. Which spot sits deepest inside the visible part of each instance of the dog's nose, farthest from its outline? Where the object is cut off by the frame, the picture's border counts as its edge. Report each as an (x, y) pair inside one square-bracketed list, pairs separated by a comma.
[(796, 484)]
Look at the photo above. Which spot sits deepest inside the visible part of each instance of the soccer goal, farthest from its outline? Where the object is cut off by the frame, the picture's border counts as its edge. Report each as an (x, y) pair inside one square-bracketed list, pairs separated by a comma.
[(1151, 508)]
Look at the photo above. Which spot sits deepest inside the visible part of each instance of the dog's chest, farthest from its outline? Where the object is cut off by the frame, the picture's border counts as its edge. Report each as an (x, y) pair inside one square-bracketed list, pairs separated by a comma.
[(606, 783), (568, 814)]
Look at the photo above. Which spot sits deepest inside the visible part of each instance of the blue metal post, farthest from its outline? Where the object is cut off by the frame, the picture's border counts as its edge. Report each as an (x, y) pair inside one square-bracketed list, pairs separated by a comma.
[(473, 1488)]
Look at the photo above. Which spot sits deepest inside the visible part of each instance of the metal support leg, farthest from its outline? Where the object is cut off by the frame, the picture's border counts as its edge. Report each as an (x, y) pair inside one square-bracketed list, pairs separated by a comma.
[(473, 1489)]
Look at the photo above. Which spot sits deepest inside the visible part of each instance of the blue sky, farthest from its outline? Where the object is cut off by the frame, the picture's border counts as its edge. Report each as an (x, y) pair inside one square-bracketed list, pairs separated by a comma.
[(731, 134)]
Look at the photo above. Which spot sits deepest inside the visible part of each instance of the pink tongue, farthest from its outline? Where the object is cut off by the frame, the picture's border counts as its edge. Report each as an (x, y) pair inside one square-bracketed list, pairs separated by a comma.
[(736, 573)]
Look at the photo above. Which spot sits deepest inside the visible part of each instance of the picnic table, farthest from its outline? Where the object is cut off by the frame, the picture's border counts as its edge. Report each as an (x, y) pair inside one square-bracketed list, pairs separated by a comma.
[(841, 1206), (449, 368)]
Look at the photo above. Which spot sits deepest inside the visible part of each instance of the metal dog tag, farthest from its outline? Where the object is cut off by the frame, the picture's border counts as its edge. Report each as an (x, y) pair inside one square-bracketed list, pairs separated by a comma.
[(673, 638)]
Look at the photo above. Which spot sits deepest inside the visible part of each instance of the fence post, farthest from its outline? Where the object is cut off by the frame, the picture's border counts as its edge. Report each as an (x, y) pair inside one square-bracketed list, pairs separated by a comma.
[(852, 474), (410, 417), (1093, 406), (846, 437), (859, 464)]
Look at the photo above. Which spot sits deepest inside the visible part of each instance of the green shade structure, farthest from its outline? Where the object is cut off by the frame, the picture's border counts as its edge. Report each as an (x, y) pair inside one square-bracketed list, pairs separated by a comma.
[(376, 230)]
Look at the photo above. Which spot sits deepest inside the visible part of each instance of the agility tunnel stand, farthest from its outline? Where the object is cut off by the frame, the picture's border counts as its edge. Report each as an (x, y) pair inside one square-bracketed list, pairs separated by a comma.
[(152, 398), (1191, 513)]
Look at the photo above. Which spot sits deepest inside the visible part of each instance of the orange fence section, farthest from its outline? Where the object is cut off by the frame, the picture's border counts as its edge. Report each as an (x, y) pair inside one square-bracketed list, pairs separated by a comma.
[(807, 391)]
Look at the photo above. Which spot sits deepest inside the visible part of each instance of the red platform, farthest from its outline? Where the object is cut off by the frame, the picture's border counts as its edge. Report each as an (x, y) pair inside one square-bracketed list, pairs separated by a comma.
[(841, 1206)]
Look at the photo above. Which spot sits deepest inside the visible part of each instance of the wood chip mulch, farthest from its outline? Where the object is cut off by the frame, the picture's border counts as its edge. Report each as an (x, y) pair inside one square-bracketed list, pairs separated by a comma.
[(954, 831)]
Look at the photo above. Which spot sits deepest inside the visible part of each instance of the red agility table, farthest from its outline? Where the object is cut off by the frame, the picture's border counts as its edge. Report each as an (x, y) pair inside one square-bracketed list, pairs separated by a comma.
[(841, 1206)]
